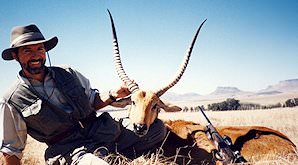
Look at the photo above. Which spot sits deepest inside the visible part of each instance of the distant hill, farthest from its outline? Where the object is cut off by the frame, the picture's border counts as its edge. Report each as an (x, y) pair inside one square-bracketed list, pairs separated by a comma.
[(270, 92), (282, 87), (176, 97), (226, 90)]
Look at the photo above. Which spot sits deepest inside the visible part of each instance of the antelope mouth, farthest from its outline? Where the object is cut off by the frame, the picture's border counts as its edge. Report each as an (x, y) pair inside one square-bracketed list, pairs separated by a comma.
[(140, 134), (140, 129)]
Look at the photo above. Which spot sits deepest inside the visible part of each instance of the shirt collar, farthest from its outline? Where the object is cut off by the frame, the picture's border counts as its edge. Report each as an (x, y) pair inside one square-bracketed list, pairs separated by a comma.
[(25, 80)]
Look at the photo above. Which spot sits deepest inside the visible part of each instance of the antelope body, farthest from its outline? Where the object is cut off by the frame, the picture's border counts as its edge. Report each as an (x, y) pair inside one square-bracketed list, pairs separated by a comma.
[(189, 141)]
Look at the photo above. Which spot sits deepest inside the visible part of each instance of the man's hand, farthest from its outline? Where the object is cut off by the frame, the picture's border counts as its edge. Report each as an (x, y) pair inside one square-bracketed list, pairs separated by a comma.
[(120, 92), (9, 159), (106, 99)]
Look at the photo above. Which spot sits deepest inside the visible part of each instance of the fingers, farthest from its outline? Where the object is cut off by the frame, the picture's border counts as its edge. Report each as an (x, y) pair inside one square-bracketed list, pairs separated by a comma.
[(124, 91), (121, 91)]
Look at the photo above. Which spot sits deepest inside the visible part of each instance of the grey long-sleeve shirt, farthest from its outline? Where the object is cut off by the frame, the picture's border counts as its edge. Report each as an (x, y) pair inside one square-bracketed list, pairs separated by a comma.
[(13, 130)]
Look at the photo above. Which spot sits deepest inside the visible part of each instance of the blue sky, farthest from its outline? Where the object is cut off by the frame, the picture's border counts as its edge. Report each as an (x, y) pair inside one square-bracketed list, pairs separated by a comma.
[(248, 44)]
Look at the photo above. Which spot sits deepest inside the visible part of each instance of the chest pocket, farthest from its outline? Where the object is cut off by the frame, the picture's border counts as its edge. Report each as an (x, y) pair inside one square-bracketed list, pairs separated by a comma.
[(33, 109)]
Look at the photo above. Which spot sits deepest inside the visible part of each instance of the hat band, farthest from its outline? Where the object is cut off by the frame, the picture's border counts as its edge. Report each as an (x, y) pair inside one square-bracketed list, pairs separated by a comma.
[(31, 36)]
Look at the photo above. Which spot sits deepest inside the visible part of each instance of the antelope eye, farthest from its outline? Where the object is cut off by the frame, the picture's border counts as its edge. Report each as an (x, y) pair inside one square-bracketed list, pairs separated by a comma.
[(133, 103)]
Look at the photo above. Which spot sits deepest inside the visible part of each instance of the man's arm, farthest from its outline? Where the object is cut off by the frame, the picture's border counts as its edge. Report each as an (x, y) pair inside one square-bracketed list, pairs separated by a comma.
[(101, 101), (13, 134), (97, 100), (10, 159)]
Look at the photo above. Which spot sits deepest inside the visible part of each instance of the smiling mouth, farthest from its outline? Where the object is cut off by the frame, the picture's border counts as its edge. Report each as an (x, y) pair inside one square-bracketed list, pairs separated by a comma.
[(35, 66), (34, 63)]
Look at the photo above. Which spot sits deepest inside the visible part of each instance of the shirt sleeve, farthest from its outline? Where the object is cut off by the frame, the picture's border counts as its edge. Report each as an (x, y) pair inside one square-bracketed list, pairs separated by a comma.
[(13, 130), (90, 92)]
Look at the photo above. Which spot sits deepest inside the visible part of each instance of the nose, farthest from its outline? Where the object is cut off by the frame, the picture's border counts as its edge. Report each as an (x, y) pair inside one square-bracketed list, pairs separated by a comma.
[(140, 128)]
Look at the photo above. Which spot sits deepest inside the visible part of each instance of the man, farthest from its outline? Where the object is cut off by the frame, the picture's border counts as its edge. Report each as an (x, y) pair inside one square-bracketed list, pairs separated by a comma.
[(57, 106)]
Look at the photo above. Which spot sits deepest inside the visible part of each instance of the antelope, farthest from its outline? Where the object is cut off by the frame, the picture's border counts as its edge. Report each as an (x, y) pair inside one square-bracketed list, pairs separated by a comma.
[(145, 105), (254, 142)]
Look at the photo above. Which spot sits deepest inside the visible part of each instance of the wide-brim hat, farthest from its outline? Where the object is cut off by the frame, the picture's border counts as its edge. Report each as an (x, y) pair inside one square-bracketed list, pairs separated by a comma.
[(27, 35)]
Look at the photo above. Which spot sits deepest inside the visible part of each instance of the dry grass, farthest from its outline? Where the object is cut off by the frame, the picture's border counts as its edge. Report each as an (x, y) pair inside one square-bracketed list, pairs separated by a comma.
[(284, 120), (150, 159)]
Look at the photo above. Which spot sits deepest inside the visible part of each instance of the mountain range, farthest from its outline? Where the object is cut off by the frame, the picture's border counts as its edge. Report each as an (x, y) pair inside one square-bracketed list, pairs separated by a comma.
[(285, 86)]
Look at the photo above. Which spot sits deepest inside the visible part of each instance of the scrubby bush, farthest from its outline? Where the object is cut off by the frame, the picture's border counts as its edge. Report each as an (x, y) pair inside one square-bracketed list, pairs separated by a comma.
[(291, 102), (234, 104), (229, 104)]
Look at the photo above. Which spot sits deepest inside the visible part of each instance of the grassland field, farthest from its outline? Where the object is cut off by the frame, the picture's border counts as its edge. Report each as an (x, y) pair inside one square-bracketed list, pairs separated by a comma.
[(284, 120)]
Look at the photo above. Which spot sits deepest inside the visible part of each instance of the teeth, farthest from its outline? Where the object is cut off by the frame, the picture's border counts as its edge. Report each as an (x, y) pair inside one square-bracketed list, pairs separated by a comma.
[(34, 63)]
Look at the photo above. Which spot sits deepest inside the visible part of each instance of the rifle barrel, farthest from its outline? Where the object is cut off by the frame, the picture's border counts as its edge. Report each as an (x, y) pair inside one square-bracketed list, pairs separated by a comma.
[(201, 109)]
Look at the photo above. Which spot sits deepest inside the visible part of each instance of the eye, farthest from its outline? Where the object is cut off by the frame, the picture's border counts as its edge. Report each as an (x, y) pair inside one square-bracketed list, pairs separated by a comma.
[(133, 103), (26, 51), (41, 49)]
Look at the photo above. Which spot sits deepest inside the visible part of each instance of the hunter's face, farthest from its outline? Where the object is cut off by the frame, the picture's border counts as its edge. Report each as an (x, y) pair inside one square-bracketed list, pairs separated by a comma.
[(32, 58)]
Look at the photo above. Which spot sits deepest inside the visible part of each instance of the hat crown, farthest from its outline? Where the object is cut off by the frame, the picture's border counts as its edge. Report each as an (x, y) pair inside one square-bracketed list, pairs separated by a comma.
[(32, 32), (20, 30)]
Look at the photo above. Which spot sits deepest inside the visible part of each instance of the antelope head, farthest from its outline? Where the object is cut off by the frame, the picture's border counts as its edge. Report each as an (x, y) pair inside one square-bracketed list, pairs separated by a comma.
[(145, 105)]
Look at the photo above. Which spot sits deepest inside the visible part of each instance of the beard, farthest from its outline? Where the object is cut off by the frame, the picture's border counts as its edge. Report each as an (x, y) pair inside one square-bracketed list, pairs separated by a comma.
[(34, 70)]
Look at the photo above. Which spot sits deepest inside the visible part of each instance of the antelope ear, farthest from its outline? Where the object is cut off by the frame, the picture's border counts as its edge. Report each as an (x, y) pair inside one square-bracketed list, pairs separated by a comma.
[(168, 107), (121, 103)]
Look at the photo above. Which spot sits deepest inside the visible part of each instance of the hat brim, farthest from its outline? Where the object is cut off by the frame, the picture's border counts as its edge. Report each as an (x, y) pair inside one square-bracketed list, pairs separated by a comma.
[(48, 44)]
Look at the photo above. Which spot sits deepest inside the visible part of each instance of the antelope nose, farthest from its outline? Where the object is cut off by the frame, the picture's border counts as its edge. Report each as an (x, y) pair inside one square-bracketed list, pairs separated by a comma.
[(140, 128)]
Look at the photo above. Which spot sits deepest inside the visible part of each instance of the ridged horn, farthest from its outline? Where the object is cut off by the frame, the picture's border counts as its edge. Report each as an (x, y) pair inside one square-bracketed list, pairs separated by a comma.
[(132, 87), (183, 64)]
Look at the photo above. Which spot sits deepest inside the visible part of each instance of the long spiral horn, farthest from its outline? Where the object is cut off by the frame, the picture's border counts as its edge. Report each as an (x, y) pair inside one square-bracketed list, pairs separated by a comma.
[(132, 87), (183, 64)]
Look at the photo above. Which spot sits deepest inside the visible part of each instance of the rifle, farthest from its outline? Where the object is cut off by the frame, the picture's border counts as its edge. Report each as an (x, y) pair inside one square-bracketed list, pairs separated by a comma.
[(226, 151)]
